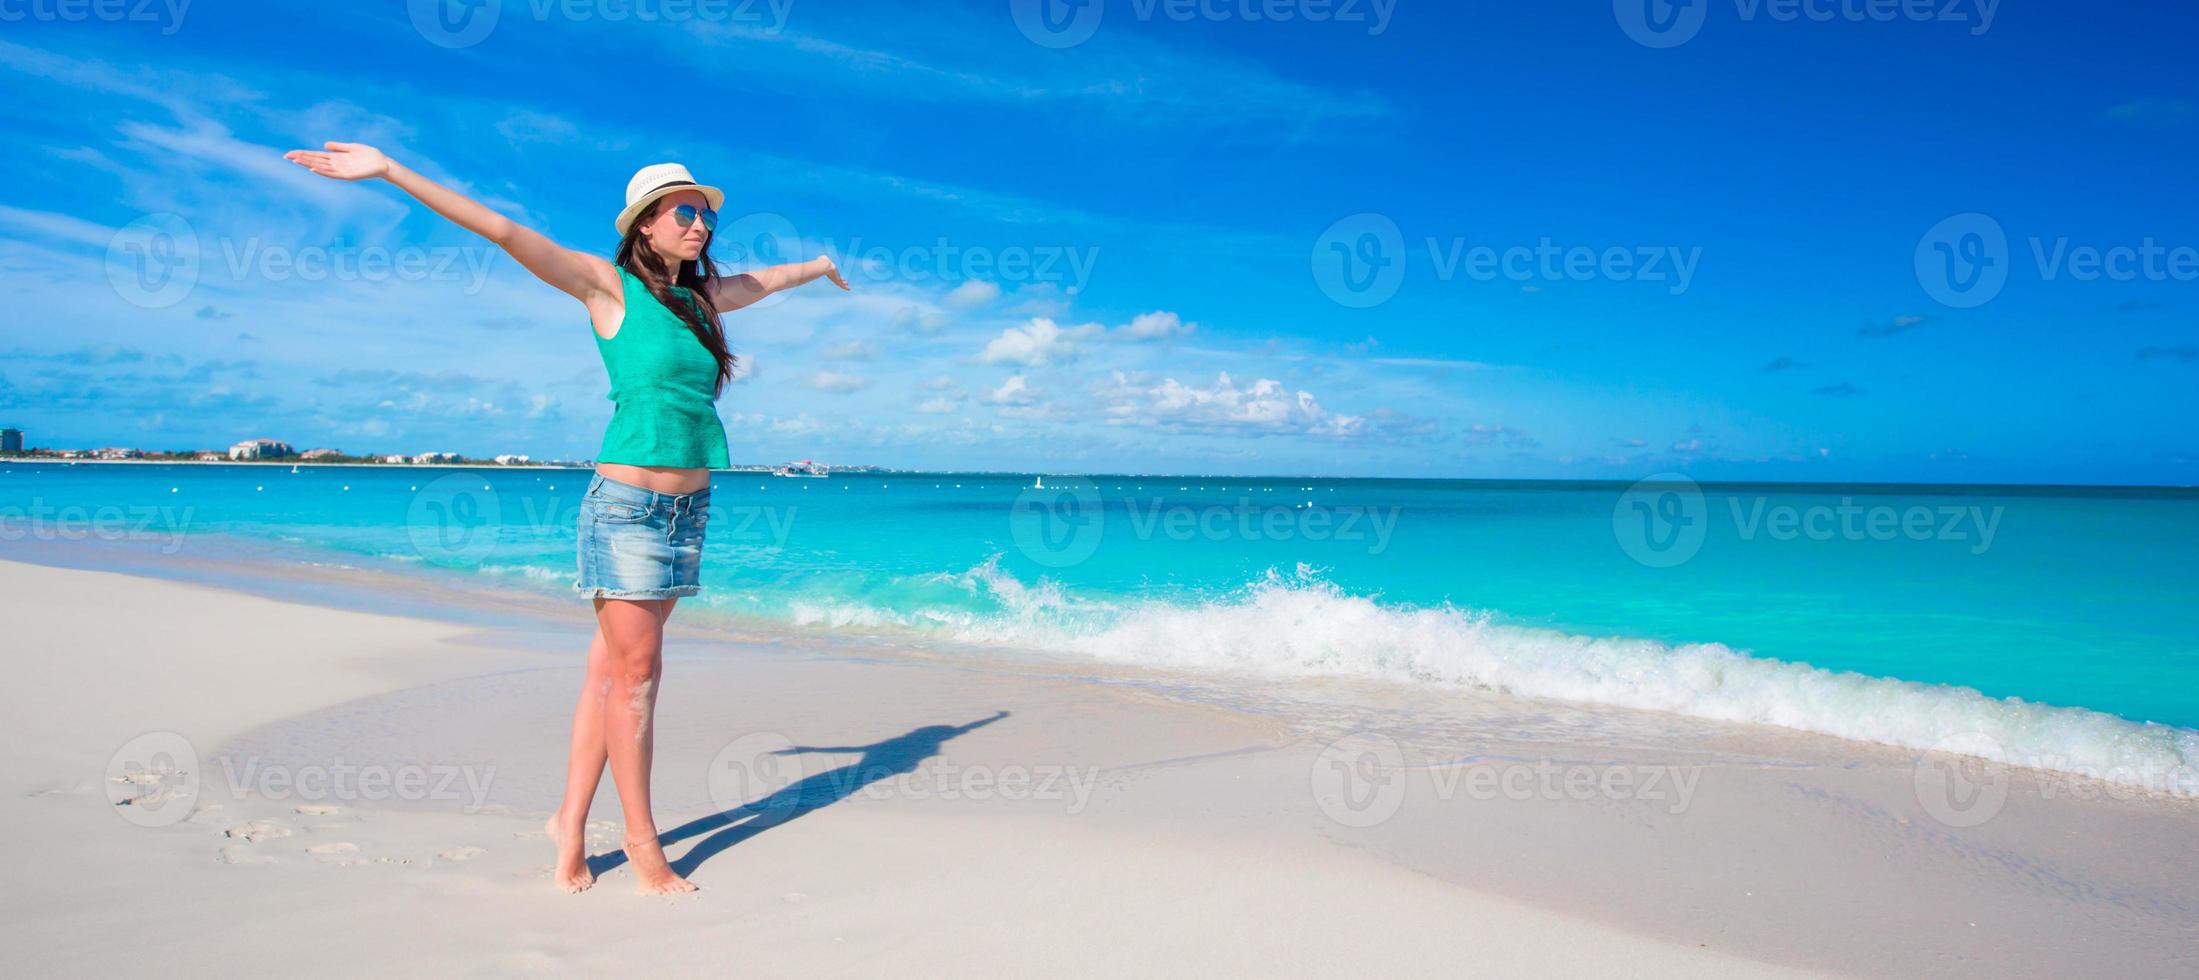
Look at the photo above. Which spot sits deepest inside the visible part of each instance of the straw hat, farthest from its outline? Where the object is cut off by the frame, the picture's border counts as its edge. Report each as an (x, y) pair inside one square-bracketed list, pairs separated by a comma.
[(655, 181)]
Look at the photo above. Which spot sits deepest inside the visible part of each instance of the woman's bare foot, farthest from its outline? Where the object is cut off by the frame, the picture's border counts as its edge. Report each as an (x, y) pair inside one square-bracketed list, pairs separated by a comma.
[(651, 872), (572, 875)]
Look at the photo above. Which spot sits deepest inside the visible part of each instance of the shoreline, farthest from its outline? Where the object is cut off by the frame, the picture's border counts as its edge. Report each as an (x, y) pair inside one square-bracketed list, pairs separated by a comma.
[(341, 580), (1867, 486), (1776, 848)]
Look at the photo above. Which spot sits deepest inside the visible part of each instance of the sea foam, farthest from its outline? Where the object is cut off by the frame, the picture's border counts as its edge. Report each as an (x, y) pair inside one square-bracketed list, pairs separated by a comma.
[(1299, 625)]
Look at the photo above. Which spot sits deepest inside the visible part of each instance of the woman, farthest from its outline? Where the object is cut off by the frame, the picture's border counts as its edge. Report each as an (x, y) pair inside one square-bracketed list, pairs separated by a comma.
[(655, 309)]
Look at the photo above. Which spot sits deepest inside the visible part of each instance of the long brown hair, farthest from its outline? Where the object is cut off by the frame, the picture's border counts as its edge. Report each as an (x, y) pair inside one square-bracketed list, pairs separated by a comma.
[(700, 315)]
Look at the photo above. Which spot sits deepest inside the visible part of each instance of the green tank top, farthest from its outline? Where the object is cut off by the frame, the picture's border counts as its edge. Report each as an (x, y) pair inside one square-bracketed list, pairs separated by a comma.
[(664, 382)]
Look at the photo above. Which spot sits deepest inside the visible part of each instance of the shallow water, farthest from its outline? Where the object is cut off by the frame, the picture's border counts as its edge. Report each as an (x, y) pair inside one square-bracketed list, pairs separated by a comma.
[(1904, 615)]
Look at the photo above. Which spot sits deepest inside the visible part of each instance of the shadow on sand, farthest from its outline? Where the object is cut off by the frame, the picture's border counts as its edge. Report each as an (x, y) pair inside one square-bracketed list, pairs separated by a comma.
[(877, 761)]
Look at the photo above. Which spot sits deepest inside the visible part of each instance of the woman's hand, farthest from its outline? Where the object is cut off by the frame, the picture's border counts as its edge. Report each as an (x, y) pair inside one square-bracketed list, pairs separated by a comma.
[(342, 161), (832, 271)]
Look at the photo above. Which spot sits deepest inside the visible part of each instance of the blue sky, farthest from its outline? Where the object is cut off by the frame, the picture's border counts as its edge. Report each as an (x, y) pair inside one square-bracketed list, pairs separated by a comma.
[(1410, 238)]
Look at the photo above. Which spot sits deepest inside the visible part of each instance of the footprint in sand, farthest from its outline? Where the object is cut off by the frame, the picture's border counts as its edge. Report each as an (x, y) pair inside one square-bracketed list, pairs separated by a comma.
[(597, 833), (462, 853), (337, 852), (320, 810), (257, 830), (240, 854)]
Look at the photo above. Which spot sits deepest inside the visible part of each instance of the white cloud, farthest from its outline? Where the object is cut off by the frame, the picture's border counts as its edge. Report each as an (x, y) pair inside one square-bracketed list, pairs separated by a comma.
[(972, 294), (744, 368), (1431, 362), (925, 322), (1014, 391), (523, 125), (1041, 299), (941, 405), (939, 383), (1036, 344), (837, 383), (850, 350), (62, 227), (1483, 433), (1156, 325), (801, 424), (211, 144), (1133, 81), (1265, 406)]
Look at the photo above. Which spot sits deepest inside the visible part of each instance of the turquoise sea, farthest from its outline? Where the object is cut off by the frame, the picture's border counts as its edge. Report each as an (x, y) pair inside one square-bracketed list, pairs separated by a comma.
[(2052, 627)]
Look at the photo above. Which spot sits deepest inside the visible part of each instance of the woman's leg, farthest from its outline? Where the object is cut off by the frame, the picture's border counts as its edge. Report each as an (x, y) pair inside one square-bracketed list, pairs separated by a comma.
[(634, 633), (583, 772)]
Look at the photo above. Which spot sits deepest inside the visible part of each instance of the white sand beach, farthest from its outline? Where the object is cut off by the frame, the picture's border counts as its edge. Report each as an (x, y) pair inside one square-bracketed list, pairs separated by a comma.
[(369, 788)]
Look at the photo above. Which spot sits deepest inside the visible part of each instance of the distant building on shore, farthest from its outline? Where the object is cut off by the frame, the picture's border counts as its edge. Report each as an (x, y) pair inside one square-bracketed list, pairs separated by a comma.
[(396, 458), (437, 458), (259, 449), (511, 459), (11, 440), (320, 453), (211, 457), (116, 452)]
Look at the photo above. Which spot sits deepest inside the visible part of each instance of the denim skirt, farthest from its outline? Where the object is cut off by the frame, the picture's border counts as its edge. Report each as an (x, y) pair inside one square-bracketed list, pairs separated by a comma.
[(637, 543)]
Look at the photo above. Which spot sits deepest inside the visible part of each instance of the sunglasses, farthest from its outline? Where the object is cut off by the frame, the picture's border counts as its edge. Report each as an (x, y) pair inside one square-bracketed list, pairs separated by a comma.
[(685, 214)]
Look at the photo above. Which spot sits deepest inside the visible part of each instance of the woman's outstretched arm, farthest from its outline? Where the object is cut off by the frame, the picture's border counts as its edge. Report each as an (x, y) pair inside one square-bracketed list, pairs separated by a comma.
[(585, 277), (740, 289)]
